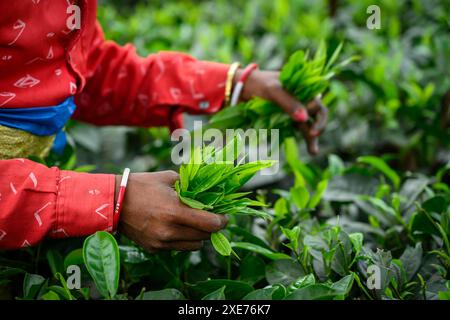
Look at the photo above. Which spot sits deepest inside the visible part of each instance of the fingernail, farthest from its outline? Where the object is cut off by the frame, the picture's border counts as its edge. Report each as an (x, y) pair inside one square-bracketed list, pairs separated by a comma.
[(223, 221), (300, 115)]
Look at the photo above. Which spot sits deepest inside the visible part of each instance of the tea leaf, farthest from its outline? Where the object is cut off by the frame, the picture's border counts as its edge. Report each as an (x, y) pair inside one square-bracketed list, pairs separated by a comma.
[(221, 244), (102, 260), (260, 250)]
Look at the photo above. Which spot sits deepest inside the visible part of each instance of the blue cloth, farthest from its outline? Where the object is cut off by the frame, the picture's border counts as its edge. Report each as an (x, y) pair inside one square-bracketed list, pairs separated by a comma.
[(41, 121)]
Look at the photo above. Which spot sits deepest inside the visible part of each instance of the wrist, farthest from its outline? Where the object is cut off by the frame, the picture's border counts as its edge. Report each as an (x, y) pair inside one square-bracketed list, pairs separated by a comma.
[(237, 76), (244, 77)]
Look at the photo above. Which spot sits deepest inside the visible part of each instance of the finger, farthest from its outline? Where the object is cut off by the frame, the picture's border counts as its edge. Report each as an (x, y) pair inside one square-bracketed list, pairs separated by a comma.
[(200, 219), (311, 141), (168, 176), (184, 245), (321, 117), (290, 105), (182, 233)]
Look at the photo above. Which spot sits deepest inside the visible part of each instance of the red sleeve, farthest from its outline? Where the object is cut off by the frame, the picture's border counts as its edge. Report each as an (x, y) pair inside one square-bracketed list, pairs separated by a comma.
[(124, 88), (38, 202)]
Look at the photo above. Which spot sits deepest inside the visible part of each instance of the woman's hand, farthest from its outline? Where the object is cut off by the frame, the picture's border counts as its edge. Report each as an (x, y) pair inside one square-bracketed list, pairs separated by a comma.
[(153, 216), (266, 85)]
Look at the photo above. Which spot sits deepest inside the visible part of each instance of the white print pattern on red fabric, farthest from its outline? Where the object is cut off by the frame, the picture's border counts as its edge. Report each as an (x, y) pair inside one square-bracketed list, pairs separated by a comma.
[(176, 93), (35, 59), (25, 244), (2, 234), (162, 69), (195, 95), (13, 189), (94, 192), (8, 97), (64, 178), (73, 88), (50, 54), (19, 24), (37, 213), (61, 230), (26, 82), (33, 178), (103, 206)]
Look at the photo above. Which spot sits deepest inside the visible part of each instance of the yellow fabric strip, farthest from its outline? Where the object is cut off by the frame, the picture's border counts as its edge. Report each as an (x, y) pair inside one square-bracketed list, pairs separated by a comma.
[(15, 143)]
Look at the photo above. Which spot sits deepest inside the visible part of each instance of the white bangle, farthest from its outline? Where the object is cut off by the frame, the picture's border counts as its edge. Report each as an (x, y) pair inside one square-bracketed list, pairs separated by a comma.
[(236, 93)]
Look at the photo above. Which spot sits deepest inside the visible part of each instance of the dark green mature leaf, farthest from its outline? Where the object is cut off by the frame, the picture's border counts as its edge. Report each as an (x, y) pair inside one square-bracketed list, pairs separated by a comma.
[(252, 269), (234, 290), (302, 282), (260, 250), (218, 294), (342, 254), (102, 260), (6, 272), (437, 204), (276, 292), (338, 290), (349, 187), (75, 257), (247, 236), (411, 189), (423, 223), (412, 260), (55, 260), (32, 283), (165, 294), (283, 272)]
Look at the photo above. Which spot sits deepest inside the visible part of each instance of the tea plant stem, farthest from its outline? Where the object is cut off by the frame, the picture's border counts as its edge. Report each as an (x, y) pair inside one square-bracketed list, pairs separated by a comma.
[(361, 286)]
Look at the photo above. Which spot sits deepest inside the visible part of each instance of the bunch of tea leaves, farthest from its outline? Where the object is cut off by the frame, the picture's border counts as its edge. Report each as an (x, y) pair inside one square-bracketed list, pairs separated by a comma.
[(211, 180), (304, 76)]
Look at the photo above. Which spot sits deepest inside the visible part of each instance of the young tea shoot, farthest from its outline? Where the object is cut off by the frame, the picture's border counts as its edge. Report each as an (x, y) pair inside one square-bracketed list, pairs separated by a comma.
[(304, 76), (211, 180)]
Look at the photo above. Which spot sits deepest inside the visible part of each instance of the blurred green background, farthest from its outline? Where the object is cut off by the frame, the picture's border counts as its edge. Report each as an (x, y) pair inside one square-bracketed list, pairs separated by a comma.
[(393, 102)]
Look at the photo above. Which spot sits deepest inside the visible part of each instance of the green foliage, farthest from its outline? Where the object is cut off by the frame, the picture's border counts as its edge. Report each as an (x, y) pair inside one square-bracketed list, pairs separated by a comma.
[(303, 76), (101, 257), (210, 181)]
